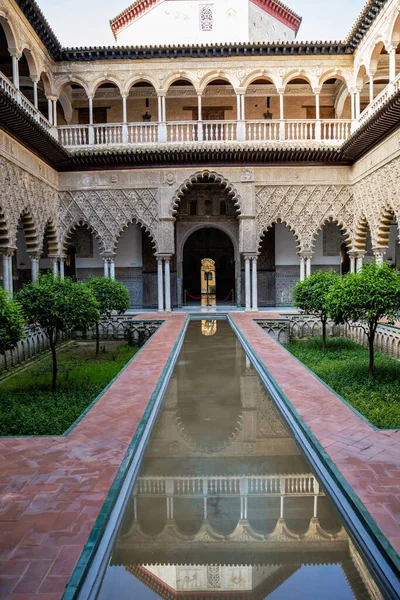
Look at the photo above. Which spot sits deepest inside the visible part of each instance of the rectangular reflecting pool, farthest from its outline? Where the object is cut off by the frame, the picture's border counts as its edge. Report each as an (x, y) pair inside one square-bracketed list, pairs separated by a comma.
[(226, 505)]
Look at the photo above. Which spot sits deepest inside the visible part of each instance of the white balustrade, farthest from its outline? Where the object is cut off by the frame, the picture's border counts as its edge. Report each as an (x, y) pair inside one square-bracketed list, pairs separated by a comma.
[(75, 135), (183, 131), (11, 90), (260, 485), (262, 131), (108, 135), (219, 131), (379, 101), (300, 131), (142, 133), (335, 130)]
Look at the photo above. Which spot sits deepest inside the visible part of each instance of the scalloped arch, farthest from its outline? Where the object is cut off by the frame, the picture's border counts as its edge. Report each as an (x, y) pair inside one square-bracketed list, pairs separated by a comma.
[(345, 230), (71, 229), (135, 221), (279, 220), (212, 175)]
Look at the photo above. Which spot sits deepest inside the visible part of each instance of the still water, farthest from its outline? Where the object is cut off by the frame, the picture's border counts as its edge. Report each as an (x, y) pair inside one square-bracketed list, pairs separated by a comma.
[(225, 505)]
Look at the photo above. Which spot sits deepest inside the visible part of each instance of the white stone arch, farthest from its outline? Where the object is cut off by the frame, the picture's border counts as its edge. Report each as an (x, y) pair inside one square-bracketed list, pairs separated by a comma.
[(216, 74), (374, 54), (47, 82), (138, 79), (81, 222), (261, 74), (66, 80), (50, 230), (344, 229), (31, 231), (185, 76), (343, 76), (136, 221), (32, 61), (300, 74), (221, 225), (9, 32), (340, 100), (279, 220), (105, 79), (394, 28), (213, 176), (360, 234), (380, 237)]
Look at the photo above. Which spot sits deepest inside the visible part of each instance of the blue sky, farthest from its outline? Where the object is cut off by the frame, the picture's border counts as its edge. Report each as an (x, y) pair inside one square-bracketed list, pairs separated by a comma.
[(86, 22)]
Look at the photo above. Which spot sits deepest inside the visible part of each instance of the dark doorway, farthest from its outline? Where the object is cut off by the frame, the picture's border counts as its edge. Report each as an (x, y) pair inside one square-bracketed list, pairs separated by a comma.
[(209, 242)]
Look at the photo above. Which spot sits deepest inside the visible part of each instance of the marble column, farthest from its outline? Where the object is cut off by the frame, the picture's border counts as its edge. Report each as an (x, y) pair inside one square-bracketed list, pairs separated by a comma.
[(379, 254), (392, 63), (302, 268), (371, 88), (10, 274), (353, 259), (167, 285), (359, 262), (254, 286), (34, 267), (112, 269), (62, 267), (55, 112), (54, 265), (15, 68), (49, 110), (199, 119), (308, 266), (247, 282), (160, 284), (6, 273), (106, 271), (35, 92)]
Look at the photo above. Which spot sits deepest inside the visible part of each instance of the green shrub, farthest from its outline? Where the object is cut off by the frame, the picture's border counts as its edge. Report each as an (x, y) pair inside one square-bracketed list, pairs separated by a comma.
[(342, 367)]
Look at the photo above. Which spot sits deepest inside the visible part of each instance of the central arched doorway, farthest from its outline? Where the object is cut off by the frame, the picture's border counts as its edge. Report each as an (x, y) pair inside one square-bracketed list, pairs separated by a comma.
[(209, 242)]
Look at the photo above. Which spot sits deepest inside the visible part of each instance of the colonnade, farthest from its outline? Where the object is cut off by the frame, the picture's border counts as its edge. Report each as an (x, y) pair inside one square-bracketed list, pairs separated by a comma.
[(57, 268), (164, 283)]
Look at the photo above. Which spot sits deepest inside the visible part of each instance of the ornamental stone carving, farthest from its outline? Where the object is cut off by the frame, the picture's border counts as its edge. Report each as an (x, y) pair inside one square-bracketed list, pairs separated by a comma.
[(22, 193), (305, 209), (108, 212)]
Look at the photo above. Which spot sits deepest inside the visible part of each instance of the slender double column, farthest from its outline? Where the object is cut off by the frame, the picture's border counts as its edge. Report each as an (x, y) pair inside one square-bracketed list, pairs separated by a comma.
[(109, 266), (35, 260), (251, 283), (8, 272), (164, 283), (305, 265)]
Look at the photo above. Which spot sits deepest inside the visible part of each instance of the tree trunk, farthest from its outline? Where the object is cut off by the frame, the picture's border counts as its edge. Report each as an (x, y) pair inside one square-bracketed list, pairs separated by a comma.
[(5, 361), (323, 334), (54, 357), (371, 340), (97, 339)]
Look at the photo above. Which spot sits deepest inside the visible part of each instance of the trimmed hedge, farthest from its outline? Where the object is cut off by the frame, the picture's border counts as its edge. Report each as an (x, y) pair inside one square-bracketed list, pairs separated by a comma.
[(344, 367), (29, 407)]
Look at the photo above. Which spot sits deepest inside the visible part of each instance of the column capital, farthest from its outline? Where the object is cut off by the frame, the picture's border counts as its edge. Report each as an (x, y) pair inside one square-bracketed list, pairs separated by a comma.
[(392, 46), (281, 91), (15, 54), (162, 93), (317, 90), (124, 94), (9, 251), (305, 254), (379, 251), (34, 255), (107, 255), (35, 79)]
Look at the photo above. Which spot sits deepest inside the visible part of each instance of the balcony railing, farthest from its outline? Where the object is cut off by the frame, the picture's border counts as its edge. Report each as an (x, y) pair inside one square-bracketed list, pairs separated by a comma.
[(11, 90), (330, 132)]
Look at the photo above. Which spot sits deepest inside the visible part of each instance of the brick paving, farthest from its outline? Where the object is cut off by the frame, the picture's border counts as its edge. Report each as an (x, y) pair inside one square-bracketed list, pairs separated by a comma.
[(368, 459), (52, 489)]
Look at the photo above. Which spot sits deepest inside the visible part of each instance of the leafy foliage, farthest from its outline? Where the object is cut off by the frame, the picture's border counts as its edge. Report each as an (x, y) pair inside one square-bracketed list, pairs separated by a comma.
[(111, 296), (310, 296), (342, 367), (11, 322), (28, 407), (58, 306), (363, 299)]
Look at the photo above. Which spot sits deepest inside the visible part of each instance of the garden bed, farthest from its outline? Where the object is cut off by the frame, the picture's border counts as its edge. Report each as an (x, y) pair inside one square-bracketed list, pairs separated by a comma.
[(344, 367), (28, 407)]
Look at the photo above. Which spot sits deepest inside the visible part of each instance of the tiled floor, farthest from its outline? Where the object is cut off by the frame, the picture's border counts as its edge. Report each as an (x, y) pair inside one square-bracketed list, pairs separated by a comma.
[(368, 459), (52, 489)]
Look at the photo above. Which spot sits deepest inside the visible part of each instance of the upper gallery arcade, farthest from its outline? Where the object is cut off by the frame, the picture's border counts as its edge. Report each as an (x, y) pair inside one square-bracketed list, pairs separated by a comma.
[(270, 156)]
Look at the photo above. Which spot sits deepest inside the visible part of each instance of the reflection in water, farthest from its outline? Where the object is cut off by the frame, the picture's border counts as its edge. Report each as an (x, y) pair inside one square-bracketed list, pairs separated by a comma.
[(225, 505), (209, 327)]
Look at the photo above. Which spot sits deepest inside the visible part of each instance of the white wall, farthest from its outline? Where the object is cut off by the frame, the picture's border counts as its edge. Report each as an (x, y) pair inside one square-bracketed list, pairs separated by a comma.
[(264, 28), (129, 249), (95, 262), (285, 247), (178, 22)]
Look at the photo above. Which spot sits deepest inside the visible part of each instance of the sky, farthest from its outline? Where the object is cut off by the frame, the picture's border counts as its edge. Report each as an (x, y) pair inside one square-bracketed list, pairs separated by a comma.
[(86, 22)]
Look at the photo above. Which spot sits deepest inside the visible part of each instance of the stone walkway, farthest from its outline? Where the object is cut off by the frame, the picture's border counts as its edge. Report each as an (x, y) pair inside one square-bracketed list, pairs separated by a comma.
[(368, 459), (52, 489)]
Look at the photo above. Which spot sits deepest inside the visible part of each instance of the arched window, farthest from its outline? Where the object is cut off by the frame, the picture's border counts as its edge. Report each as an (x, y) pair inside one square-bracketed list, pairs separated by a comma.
[(206, 17)]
